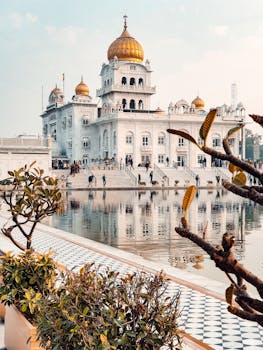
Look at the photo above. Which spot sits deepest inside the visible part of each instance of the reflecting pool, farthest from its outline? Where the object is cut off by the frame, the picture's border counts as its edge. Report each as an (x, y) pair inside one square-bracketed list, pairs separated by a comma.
[(142, 222)]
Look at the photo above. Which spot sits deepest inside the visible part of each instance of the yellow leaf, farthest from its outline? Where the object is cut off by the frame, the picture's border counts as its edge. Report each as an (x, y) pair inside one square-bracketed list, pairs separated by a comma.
[(184, 135), (104, 339), (240, 179), (232, 168), (205, 127), (229, 294), (188, 197), (233, 130)]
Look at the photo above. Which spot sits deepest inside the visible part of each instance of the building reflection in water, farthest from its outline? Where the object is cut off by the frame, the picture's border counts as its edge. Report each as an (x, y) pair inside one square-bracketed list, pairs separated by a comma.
[(143, 222)]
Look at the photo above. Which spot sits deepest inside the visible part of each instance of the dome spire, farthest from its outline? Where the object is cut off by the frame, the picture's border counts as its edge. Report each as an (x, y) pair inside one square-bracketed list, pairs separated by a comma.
[(125, 22)]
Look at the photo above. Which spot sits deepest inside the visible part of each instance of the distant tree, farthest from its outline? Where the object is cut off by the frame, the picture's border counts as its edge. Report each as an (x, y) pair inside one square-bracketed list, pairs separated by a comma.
[(245, 306), (252, 150), (249, 145)]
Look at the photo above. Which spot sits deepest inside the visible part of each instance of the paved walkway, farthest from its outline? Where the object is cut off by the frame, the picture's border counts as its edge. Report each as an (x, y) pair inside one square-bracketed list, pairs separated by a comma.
[(204, 313)]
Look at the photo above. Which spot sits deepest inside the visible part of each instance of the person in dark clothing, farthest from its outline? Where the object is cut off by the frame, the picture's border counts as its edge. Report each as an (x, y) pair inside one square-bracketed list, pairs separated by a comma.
[(147, 164), (90, 179), (197, 180), (104, 180), (151, 177)]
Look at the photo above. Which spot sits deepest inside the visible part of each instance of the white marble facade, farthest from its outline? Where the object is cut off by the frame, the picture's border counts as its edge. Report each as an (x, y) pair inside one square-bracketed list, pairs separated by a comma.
[(124, 124)]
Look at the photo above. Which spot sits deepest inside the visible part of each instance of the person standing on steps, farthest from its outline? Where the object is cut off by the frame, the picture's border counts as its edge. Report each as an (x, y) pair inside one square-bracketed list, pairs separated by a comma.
[(139, 179), (151, 176), (104, 180), (197, 180)]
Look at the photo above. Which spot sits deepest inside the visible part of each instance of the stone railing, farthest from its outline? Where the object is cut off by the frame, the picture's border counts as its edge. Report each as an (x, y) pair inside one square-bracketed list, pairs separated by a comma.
[(132, 176), (160, 174), (130, 88), (23, 141)]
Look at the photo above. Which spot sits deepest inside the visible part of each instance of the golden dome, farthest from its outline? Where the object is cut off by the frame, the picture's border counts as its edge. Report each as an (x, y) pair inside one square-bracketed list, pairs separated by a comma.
[(56, 95), (198, 102), (56, 91), (82, 88), (126, 48)]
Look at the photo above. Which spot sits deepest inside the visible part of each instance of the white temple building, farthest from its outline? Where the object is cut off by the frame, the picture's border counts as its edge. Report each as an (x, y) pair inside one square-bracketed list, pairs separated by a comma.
[(124, 124)]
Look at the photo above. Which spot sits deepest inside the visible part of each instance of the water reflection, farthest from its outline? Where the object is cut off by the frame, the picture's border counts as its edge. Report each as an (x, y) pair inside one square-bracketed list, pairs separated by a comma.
[(143, 222)]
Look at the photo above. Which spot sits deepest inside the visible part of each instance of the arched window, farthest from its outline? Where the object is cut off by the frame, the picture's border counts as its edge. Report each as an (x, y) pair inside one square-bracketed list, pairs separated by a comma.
[(182, 142), (141, 81), (146, 139), (132, 104), (216, 140), (108, 82), (86, 143), (140, 104), (132, 81), (124, 103), (124, 81), (161, 139), (129, 138)]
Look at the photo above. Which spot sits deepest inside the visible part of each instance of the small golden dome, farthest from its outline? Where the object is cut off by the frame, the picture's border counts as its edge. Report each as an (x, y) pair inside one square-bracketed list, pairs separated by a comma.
[(82, 88), (56, 95), (56, 91), (198, 102), (126, 48)]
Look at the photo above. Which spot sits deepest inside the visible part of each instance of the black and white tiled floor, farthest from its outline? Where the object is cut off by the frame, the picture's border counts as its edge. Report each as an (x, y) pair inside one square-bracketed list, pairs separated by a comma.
[(203, 317)]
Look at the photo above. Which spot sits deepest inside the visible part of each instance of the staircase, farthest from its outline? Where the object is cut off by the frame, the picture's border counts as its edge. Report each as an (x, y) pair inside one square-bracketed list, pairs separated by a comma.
[(114, 178)]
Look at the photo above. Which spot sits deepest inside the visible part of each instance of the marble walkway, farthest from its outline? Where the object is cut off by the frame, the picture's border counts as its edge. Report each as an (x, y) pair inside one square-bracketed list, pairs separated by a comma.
[(204, 313)]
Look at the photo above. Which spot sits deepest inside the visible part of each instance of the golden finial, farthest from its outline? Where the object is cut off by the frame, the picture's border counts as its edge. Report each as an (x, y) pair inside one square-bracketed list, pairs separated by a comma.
[(125, 21), (82, 78)]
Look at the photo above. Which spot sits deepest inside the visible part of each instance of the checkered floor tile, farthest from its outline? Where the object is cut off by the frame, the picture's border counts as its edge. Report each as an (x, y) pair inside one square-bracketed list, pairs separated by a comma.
[(204, 317)]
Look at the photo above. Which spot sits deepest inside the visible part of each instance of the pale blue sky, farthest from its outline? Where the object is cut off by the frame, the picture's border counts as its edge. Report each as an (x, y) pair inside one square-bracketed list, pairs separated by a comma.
[(194, 46)]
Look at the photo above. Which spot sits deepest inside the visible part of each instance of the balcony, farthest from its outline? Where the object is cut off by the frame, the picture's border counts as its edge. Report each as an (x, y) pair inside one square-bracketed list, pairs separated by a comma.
[(138, 89), (146, 149)]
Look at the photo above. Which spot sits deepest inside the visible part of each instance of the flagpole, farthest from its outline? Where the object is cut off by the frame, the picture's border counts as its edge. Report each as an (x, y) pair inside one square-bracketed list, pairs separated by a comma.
[(42, 98), (63, 83)]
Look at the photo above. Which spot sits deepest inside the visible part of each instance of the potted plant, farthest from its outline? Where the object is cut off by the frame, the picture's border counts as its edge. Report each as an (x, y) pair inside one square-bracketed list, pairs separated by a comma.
[(26, 278), (32, 197), (96, 308)]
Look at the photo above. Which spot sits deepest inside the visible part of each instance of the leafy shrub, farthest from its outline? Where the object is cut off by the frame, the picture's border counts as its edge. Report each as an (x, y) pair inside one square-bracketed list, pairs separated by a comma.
[(26, 278), (33, 197), (97, 309)]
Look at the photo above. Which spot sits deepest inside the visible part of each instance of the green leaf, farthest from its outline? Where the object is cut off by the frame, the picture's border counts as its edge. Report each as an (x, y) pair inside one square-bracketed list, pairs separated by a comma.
[(206, 126), (184, 135)]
